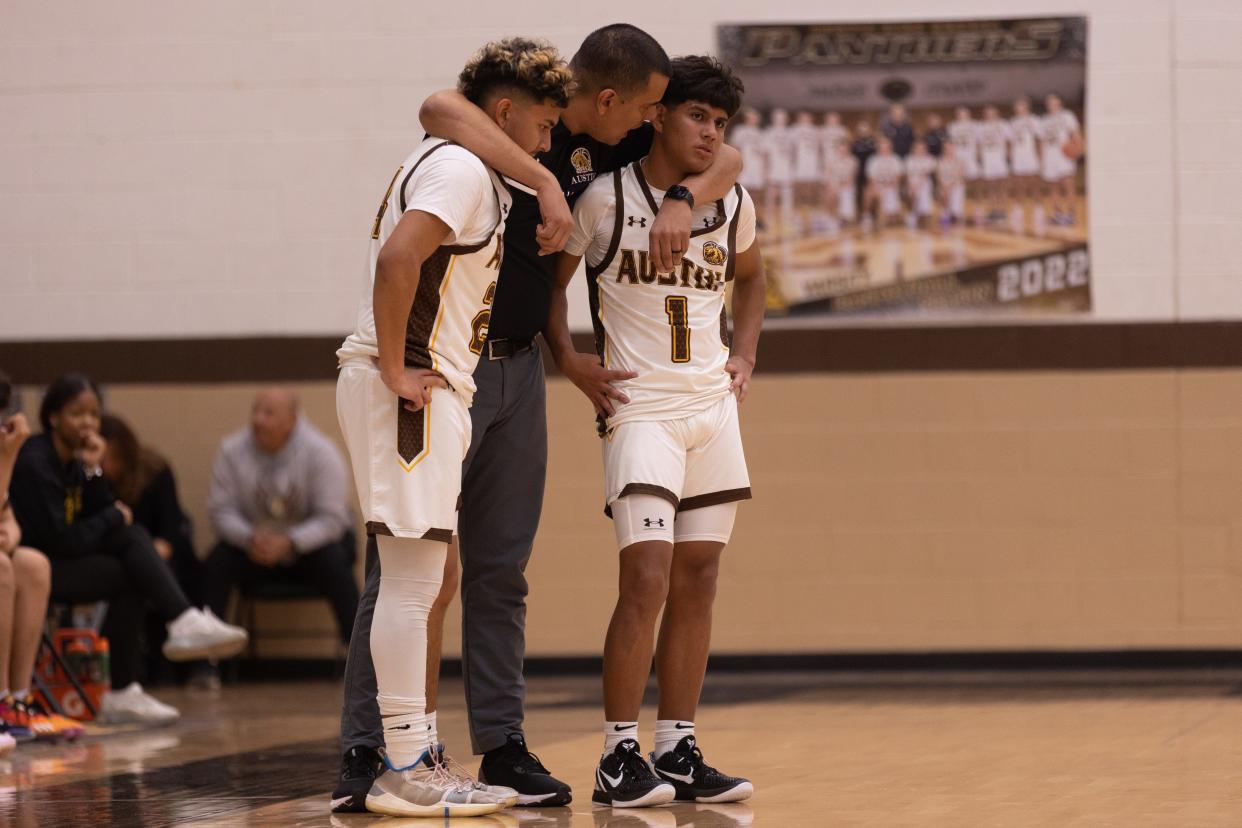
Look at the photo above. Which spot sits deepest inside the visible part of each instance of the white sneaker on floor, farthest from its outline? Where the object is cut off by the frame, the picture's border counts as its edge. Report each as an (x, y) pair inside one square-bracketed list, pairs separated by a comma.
[(506, 796), (7, 743), (199, 634), (422, 791), (133, 704)]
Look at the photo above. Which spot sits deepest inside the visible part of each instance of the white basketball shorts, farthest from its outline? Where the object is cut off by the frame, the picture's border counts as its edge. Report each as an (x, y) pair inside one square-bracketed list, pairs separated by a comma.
[(691, 462), (407, 465)]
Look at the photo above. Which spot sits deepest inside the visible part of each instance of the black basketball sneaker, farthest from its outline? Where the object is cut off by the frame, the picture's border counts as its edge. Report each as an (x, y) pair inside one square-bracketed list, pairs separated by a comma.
[(513, 766), (359, 767), (623, 779), (695, 780)]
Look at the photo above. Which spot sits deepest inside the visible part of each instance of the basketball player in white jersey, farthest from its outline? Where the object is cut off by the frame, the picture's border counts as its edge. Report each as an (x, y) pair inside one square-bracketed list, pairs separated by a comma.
[(673, 462), (747, 136), (951, 180), (833, 134), (841, 184), (436, 249), (964, 135), (778, 149), (1061, 144), (1024, 160), (808, 161), (920, 167), (884, 171), (993, 134)]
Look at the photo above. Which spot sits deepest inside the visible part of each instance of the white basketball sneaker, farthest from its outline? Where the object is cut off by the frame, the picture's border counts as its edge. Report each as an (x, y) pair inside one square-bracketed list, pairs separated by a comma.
[(134, 705), (507, 796), (198, 634), (428, 790)]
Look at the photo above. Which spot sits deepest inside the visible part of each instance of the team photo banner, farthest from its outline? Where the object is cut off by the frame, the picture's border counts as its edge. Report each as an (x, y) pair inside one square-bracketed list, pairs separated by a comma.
[(917, 169)]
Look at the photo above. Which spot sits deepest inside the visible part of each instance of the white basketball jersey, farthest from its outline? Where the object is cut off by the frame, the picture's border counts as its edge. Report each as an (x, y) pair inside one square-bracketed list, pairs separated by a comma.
[(448, 318), (1022, 131), (965, 136), (884, 170), (668, 328), (842, 171), (919, 168), (1057, 129), (833, 136), (992, 137)]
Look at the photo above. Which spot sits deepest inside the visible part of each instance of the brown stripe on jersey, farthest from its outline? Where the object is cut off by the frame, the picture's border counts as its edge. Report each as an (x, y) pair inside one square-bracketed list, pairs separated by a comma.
[(644, 488), (406, 180), (714, 499), (642, 183), (732, 242), (726, 339), (593, 271), (374, 527), (425, 308), (441, 535), (411, 431)]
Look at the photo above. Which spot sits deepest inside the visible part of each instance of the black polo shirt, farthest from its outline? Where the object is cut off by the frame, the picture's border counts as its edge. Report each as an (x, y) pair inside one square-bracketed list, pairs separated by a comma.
[(520, 307)]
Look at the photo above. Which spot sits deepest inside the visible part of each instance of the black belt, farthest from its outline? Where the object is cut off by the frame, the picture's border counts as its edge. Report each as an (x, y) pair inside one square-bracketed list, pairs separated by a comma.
[(505, 348)]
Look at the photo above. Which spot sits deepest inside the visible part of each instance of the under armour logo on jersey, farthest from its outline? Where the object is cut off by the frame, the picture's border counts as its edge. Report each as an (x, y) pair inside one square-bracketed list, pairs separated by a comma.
[(708, 221), (650, 522), (641, 221)]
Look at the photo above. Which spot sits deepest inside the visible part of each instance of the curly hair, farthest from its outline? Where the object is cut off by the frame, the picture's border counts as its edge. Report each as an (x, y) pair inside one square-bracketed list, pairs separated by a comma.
[(531, 66), (703, 78)]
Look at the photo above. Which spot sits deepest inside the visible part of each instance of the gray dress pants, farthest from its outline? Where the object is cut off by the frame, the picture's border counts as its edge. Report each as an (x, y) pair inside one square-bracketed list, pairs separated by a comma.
[(502, 496)]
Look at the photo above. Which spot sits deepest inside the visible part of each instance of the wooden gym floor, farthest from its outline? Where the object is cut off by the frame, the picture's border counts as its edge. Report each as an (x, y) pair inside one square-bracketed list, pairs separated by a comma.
[(932, 749)]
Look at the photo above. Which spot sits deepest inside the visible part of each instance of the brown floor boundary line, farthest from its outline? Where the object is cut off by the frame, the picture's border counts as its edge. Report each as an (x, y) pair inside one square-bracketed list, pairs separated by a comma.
[(1032, 661), (878, 349)]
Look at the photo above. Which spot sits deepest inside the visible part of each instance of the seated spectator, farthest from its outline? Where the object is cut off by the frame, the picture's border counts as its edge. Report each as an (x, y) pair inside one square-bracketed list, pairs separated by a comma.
[(66, 509), (278, 505), (144, 482), (13, 432)]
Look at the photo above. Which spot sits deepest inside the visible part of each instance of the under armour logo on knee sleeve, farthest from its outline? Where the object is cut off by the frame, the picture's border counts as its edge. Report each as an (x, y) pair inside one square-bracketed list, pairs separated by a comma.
[(656, 522)]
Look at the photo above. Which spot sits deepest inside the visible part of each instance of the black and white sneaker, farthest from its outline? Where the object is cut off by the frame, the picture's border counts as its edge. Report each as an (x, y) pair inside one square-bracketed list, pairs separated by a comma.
[(513, 766), (697, 781), (623, 779), (359, 767)]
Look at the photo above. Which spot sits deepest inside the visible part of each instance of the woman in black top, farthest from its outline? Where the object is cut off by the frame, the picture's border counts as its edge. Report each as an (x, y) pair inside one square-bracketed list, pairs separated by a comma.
[(66, 509)]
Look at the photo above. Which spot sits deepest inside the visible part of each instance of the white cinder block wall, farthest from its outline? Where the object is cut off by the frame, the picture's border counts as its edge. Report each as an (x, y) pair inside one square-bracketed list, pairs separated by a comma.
[(211, 168)]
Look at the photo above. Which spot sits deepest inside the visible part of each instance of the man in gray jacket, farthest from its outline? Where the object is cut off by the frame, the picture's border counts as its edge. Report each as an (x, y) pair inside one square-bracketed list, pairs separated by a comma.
[(278, 505)]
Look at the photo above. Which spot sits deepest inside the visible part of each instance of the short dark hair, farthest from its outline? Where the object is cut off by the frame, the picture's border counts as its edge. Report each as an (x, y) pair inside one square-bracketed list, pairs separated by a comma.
[(63, 390), (620, 57), (534, 67), (703, 78)]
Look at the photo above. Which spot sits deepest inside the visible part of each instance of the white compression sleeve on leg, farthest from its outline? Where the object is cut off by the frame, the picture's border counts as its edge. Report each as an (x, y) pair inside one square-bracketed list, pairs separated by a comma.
[(410, 575), (642, 517), (709, 523)]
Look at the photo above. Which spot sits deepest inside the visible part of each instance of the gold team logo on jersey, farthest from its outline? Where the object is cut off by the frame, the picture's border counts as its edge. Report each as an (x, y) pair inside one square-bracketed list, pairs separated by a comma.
[(714, 254), (581, 159)]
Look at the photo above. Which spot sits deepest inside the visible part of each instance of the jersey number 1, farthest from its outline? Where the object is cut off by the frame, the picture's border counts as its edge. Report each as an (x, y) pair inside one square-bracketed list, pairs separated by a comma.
[(678, 320)]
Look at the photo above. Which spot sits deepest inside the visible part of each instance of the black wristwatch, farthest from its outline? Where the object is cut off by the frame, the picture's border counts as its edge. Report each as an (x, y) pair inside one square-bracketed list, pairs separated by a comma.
[(680, 193)]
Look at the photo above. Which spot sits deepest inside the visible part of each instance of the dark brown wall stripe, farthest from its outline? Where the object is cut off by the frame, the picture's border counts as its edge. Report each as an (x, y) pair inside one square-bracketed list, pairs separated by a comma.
[(835, 350)]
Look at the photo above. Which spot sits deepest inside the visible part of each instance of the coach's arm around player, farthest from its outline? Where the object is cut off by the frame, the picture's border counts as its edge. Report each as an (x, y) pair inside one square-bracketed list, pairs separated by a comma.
[(448, 114)]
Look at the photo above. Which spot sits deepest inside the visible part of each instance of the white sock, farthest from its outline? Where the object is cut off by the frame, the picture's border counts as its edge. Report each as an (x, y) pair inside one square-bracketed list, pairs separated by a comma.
[(410, 575), (405, 739), (433, 737), (669, 732), (617, 732)]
